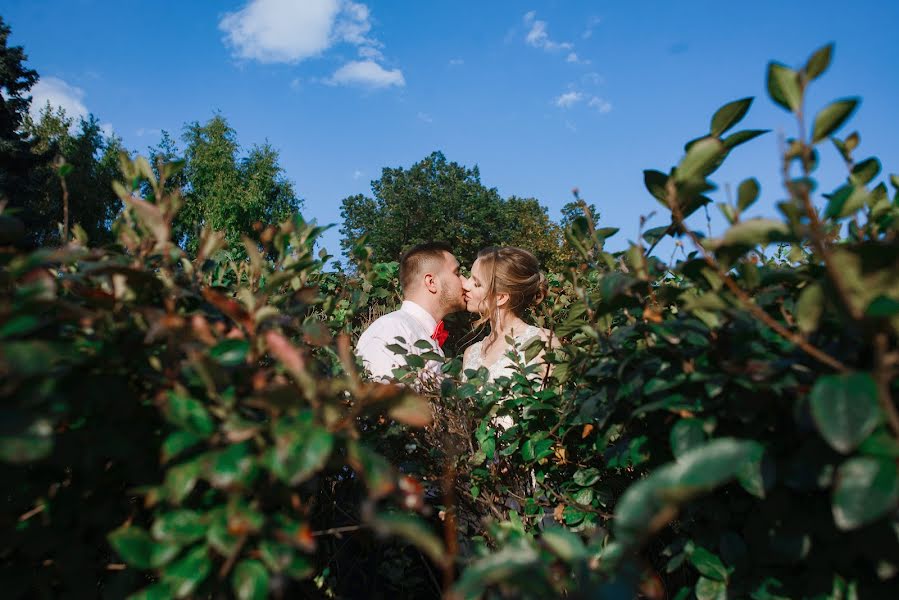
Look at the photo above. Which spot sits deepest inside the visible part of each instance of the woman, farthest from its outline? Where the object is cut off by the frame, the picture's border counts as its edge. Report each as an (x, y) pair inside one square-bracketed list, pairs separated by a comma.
[(504, 283)]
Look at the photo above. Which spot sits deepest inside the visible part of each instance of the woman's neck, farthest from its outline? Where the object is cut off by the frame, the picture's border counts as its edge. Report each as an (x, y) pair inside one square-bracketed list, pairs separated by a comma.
[(507, 325)]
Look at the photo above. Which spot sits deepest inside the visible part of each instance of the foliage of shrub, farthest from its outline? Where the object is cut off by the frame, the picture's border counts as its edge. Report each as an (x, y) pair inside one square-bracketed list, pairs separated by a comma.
[(721, 427)]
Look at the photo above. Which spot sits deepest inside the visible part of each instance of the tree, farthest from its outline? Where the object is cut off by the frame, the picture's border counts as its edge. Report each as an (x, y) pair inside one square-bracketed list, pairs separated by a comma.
[(527, 225), (571, 211), (94, 161), (440, 200), (17, 159), (224, 191)]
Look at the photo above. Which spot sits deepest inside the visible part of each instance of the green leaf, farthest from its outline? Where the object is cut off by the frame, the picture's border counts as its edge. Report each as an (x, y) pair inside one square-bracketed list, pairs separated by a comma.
[(753, 232), (189, 414), (700, 160), (655, 182), (880, 443), (138, 549), (298, 455), (564, 544), (729, 115), (29, 442), (413, 530), (281, 558), (708, 564), (179, 527), (845, 201), (234, 466), (818, 62), (397, 349), (176, 443), (845, 409), (686, 435), (186, 575), (747, 193), (882, 307), (250, 580), (230, 353), (832, 118), (180, 480), (809, 308), (586, 477), (709, 589), (867, 489), (741, 137), (783, 86), (696, 471), (865, 171)]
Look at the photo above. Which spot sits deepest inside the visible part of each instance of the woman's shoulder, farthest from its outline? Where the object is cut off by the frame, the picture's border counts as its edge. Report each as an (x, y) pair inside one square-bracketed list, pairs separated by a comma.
[(545, 334)]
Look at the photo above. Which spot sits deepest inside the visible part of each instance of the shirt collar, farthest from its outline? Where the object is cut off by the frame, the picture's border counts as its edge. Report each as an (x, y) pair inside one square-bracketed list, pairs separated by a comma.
[(419, 314)]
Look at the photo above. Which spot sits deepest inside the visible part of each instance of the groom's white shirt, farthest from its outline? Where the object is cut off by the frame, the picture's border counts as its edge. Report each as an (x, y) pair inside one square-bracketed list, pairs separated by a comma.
[(412, 323)]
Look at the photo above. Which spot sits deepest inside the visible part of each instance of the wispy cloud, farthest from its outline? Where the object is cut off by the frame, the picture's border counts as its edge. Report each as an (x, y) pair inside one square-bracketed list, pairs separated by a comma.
[(357, 174), (538, 37), (425, 117), (600, 104), (455, 62), (568, 99), (287, 31), (592, 22), (367, 73)]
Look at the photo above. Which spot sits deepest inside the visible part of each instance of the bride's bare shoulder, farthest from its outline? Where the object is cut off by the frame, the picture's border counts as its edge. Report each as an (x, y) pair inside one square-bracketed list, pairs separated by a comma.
[(547, 336)]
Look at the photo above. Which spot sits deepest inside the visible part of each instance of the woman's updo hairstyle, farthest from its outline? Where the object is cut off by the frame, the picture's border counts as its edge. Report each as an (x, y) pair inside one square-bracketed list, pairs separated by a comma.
[(512, 271)]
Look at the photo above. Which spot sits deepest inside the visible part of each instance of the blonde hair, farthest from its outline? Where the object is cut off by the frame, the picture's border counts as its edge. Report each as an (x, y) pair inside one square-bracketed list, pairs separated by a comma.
[(512, 271)]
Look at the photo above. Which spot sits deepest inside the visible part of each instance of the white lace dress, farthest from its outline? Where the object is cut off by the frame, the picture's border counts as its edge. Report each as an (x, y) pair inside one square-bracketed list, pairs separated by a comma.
[(504, 366)]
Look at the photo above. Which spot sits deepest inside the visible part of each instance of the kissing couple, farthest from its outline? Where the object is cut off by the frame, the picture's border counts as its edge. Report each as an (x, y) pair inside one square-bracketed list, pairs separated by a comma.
[(504, 283)]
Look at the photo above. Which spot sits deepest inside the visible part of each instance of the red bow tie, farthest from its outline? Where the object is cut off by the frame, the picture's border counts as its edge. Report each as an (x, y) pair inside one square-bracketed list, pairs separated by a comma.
[(440, 334)]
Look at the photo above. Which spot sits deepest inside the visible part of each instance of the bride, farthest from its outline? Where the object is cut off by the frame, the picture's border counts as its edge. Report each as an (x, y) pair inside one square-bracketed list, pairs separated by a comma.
[(504, 283)]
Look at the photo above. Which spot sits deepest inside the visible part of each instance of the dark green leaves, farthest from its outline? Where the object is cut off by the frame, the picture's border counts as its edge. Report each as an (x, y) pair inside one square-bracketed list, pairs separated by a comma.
[(189, 414), (708, 564), (413, 530), (700, 159), (300, 451), (747, 193), (729, 115), (250, 580), (818, 62), (755, 231), (185, 575), (139, 550), (867, 489), (686, 435), (845, 409), (179, 527), (783, 86), (832, 118), (230, 353)]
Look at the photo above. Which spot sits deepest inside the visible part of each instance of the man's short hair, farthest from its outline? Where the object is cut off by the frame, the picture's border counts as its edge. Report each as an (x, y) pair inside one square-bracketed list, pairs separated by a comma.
[(418, 259)]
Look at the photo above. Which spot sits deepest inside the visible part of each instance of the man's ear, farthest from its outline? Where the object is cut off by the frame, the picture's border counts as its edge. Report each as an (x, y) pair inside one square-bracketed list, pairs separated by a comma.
[(431, 283)]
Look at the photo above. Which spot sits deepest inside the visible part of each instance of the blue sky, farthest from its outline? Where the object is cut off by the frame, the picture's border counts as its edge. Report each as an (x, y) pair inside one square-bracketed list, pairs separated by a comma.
[(542, 96)]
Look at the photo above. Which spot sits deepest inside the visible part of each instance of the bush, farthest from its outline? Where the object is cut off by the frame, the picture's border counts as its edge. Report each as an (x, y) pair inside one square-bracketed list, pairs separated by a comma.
[(721, 427)]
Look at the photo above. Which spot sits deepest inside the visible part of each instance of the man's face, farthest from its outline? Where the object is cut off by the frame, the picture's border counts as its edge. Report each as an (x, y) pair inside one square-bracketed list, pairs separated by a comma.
[(451, 282)]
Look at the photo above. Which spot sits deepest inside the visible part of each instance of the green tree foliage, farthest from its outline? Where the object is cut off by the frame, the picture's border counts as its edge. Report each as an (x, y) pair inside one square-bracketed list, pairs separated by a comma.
[(18, 184), (224, 190), (435, 199), (94, 159)]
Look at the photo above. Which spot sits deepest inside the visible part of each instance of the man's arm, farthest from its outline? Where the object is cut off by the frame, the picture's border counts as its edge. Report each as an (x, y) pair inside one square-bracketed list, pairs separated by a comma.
[(372, 349)]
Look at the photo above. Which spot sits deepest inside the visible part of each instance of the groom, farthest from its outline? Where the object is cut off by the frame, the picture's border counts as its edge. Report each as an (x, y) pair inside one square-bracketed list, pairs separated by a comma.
[(432, 289)]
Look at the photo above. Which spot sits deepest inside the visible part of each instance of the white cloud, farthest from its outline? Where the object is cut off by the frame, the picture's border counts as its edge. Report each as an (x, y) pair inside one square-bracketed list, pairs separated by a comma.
[(291, 31), (367, 73), (599, 104), (425, 117), (150, 132), (537, 36), (568, 99), (107, 130), (272, 31), (357, 174), (455, 62), (593, 78), (58, 93), (592, 22)]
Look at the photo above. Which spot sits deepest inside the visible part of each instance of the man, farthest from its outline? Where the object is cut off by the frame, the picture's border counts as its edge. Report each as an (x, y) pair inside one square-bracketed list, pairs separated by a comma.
[(432, 288)]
